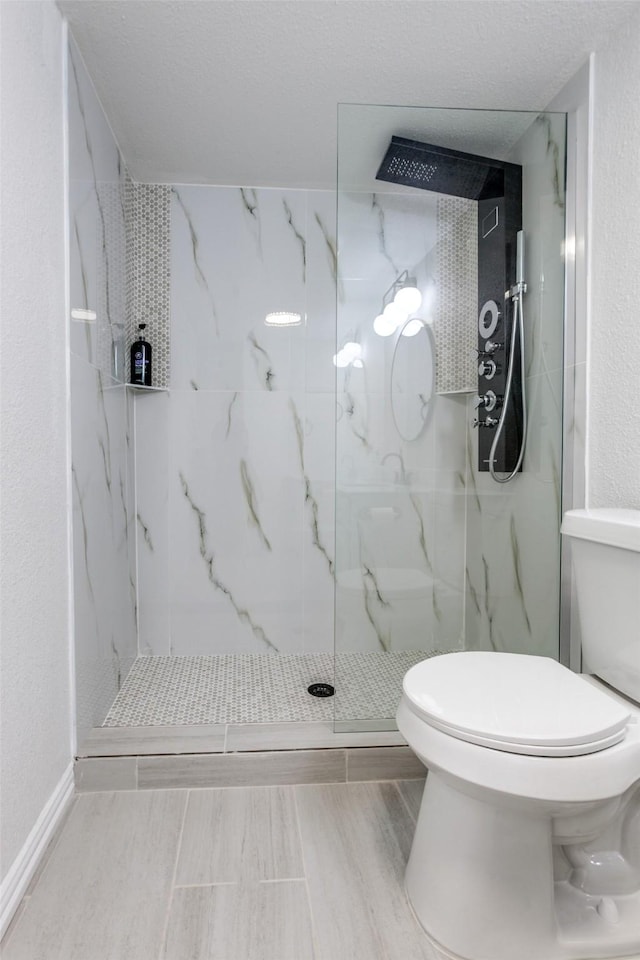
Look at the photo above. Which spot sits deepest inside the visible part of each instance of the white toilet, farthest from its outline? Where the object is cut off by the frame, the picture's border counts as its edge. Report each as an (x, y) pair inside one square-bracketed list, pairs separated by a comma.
[(527, 845)]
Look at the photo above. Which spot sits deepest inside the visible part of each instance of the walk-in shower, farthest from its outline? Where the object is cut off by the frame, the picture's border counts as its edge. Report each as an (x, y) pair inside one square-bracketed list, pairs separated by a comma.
[(301, 504)]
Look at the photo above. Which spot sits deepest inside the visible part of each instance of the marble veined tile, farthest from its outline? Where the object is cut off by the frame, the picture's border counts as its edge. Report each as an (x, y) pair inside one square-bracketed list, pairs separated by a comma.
[(321, 277), (83, 266), (316, 445), (152, 455), (93, 152), (513, 541), (97, 228), (541, 151), (237, 255), (104, 606), (236, 500), (102, 443)]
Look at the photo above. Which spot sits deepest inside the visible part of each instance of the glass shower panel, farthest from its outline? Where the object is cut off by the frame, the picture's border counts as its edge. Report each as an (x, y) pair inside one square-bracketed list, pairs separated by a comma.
[(432, 554)]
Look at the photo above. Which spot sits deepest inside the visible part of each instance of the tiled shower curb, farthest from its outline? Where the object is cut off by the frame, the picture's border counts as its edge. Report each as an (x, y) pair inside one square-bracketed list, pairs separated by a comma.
[(269, 768)]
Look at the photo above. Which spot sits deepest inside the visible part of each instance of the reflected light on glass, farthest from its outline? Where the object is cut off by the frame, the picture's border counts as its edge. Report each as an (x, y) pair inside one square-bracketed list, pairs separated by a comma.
[(409, 299), (349, 355), (395, 313), (281, 318), (401, 300), (568, 248), (352, 350), (86, 316), (412, 327), (384, 326)]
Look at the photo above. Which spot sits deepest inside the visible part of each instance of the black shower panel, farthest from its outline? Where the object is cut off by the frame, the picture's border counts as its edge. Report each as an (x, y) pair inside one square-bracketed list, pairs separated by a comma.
[(498, 223), (441, 170), (497, 188)]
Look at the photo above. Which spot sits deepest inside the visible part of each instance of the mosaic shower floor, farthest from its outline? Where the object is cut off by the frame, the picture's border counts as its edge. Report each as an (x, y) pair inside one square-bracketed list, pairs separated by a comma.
[(254, 688)]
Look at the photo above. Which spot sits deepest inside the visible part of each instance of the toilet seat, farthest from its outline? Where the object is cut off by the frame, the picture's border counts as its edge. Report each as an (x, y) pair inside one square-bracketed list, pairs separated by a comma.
[(516, 703)]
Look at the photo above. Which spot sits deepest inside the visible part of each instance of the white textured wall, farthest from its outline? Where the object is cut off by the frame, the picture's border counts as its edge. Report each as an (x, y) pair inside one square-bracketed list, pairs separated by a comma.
[(34, 568), (614, 365)]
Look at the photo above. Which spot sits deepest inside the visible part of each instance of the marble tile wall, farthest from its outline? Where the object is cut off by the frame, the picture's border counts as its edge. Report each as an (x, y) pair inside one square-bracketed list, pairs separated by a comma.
[(104, 589), (513, 530), (235, 464)]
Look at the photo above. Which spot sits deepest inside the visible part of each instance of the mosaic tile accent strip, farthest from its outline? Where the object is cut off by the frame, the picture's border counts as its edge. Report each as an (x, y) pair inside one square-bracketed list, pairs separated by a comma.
[(148, 217), (455, 325), (250, 688)]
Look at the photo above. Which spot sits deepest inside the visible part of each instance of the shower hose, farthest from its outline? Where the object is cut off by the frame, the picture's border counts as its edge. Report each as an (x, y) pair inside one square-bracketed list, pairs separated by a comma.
[(518, 331)]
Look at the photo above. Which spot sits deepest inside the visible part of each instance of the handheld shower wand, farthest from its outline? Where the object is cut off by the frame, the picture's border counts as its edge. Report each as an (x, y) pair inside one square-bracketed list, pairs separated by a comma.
[(516, 293)]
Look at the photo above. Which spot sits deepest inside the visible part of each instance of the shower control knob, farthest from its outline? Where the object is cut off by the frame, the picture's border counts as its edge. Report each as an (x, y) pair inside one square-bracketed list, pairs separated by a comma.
[(489, 319), (488, 422), (487, 369), (488, 400), (491, 346)]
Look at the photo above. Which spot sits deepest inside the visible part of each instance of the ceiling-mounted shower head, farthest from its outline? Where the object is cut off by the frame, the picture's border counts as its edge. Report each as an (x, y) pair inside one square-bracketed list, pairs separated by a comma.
[(441, 170)]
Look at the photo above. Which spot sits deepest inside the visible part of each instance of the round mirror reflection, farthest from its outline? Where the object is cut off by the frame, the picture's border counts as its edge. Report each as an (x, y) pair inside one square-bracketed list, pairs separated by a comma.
[(412, 378)]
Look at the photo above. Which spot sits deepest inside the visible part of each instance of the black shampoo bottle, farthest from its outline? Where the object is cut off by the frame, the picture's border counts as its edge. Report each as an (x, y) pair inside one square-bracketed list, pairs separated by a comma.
[(141, 360)]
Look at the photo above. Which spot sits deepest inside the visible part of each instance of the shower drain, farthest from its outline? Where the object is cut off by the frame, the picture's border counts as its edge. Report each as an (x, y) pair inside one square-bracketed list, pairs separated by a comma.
[(321, 690)]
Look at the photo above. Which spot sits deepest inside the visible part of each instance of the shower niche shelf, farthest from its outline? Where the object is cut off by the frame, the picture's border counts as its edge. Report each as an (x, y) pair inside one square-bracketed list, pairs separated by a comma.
[(139, 388)]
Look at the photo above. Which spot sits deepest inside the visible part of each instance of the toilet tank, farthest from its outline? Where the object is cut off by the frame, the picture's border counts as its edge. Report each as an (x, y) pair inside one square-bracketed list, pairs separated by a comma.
[(605, 547)]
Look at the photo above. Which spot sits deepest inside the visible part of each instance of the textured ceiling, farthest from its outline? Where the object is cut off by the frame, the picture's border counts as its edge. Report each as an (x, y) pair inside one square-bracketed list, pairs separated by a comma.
[(246, 91)]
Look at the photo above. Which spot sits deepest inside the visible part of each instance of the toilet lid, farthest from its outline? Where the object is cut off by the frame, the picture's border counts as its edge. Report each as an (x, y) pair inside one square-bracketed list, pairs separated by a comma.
[(518, 703)]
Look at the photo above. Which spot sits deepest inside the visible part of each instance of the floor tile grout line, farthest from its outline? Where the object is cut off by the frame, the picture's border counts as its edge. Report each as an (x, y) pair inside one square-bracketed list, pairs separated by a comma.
[(237, 883), (284, 880), (314, 933), (201, 886), (172, 885)]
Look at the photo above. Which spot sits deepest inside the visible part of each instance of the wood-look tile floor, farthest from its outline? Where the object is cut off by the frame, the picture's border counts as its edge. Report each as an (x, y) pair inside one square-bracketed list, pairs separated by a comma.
[(253, 873)]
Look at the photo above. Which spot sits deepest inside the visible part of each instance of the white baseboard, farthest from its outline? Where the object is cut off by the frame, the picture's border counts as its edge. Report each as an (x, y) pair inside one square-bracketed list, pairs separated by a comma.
[(26, 863)]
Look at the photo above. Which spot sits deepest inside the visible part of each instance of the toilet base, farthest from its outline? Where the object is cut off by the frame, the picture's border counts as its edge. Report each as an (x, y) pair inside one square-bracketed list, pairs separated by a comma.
[(445, 954), (480, 880)]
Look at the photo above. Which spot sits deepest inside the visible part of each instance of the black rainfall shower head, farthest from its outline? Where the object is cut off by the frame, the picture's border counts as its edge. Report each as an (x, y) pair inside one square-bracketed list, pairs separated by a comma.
[(441, 170)]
